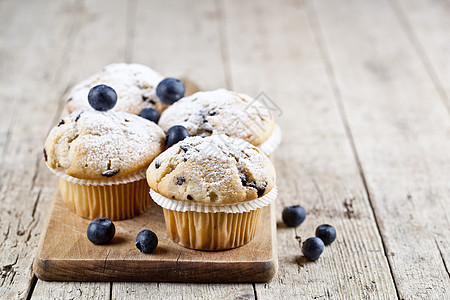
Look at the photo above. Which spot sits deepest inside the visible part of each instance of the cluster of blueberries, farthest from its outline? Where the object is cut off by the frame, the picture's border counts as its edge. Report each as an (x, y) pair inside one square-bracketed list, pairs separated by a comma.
[(313, 247), (169, 91)]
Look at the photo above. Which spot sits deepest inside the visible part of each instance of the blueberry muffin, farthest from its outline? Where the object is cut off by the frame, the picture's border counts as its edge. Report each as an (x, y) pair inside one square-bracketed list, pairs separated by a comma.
[(223, 112), (100, 158), (212, 190), (134, 84)]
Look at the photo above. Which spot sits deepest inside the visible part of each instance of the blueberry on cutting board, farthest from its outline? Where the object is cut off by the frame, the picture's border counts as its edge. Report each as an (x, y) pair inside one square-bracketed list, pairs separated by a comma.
[(146, 241), (101, 231)]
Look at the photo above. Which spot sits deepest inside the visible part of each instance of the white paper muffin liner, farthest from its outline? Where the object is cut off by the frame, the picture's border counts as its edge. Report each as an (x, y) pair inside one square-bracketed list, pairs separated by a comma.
[(241, 207), (110, 181), (269, 146)]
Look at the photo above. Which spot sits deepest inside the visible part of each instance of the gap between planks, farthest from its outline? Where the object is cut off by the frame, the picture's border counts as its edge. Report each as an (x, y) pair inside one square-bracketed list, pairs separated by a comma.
[(321, 44), (421, 53)]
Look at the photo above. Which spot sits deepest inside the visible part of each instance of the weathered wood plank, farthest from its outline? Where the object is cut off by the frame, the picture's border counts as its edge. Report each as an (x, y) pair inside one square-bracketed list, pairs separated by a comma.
[(427, 24), (134, 290), (49, 290), (400, 130), (98, 38), (273, 49), (33, 41), (381, 81), (179, 39)]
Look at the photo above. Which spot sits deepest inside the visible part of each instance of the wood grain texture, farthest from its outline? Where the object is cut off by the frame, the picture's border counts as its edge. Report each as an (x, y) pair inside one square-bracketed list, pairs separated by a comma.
[(135, 290), (182, 42), (427, 24), (383, 65), (65, 253), (400, 130), (50, 290), (33, 44), (315, 163)]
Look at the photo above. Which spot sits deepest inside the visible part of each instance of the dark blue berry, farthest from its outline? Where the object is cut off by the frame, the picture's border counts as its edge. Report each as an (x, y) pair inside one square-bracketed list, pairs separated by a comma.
[(146, 241), (101, 231), (170, 90), (326, 233), (150, 114), (175, 134), (293, 215), (312, 248), (102, 97)]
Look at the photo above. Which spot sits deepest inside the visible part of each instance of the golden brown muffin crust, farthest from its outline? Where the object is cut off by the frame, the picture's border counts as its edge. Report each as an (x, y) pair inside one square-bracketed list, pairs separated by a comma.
[(216, 170), (220, 112), (90, 144)]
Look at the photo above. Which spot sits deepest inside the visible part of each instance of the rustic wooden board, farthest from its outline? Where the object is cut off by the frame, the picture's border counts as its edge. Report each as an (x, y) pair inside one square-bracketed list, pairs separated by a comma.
[(65, 253)]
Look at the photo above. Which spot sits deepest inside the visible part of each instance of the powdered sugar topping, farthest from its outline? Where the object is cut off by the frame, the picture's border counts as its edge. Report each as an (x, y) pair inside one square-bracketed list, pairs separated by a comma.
[(89, 144), (220, 112), (134, 84), (214, 169)]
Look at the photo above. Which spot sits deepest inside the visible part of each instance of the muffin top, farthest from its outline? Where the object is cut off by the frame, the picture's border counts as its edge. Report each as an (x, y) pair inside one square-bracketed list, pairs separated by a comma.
[(134, 84), (90, 144), (213, 170), (220, 112)]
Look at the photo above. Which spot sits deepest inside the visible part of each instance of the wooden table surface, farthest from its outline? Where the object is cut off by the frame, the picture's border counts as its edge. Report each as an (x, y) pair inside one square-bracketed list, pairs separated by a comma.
[(364, 89)]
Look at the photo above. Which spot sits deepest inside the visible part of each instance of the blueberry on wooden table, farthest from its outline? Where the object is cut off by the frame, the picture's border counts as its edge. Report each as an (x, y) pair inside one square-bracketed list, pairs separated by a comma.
[(146, 241), (312, 248), (326, 233), (293, 215), (150, 114), (170, 90), (102, 97), (101, 231), (175, 134)]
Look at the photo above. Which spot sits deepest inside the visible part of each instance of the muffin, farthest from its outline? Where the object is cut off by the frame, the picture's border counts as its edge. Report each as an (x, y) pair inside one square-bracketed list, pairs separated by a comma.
[(100, 158), (134, 84), (224, 112), (212, 191)]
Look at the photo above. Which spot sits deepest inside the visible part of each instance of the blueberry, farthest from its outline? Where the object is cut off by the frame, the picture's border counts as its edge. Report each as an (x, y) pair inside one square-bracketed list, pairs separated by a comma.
[(170, 90), (312, 248), (101, 231), (175, 134), (326, 233), (293, 215), (146, 241), (150, 114), (102, 97)]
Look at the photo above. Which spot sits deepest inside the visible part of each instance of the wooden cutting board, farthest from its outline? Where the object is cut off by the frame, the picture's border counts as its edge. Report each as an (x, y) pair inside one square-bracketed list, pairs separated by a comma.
[(65, 253)]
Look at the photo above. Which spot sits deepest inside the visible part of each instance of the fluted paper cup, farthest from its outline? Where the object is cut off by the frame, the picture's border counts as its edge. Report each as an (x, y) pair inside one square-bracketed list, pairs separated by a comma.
[(116, 198), (212, 227)]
